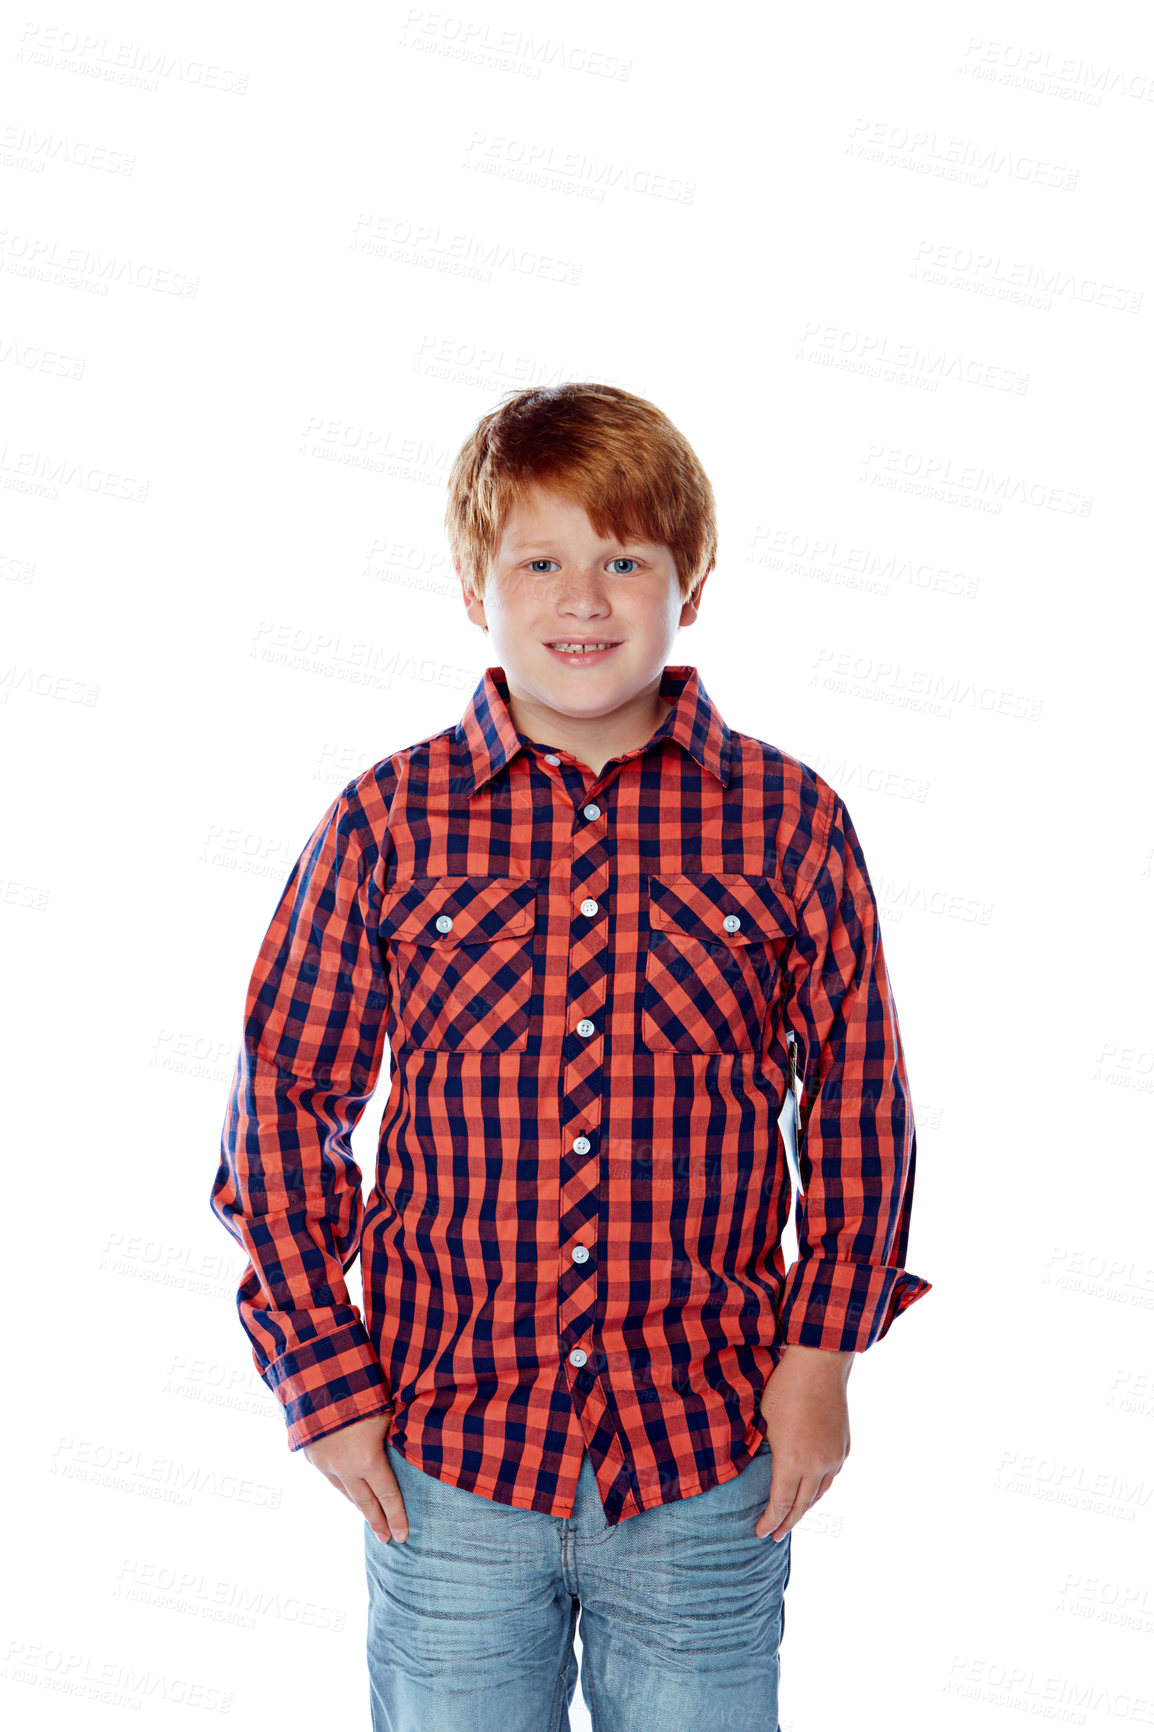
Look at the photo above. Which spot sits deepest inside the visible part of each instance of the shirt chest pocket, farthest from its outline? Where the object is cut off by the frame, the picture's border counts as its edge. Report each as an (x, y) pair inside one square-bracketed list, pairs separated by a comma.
[(714, 958), (460, 951)]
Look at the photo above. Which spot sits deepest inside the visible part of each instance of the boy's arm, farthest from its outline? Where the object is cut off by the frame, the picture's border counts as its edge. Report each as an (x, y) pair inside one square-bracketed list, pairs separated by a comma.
[(858, 1141), (288, 1188)]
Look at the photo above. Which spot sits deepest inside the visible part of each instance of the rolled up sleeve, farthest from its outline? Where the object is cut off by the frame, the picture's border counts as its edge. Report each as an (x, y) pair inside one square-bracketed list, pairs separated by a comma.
[(287, 1187), (858, 1141)]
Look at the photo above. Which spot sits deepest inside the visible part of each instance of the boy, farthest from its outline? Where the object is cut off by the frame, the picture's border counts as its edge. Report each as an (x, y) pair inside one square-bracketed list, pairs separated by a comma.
[(595, 925)]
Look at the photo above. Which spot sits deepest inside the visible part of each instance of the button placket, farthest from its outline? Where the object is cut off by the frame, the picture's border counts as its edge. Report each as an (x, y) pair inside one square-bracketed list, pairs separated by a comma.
[(582, 1089)]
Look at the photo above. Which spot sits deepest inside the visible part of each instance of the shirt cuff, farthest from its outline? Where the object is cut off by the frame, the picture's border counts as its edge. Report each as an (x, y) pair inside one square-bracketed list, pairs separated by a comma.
[(329, 1383), (842, 1306)]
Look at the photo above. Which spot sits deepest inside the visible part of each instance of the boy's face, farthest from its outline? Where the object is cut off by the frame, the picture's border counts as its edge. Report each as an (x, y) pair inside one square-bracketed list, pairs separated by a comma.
[(554, 581)]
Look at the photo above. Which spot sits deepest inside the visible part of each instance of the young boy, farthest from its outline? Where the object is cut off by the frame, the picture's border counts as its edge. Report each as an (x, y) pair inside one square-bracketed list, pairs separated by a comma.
[(596, 927)]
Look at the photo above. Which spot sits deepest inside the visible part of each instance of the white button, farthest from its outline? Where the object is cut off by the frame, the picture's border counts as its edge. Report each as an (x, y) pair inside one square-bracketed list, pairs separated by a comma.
[(592, 811), (444, 923), (552, 758), (731, 922), (589, 906), (585, 1026), (578, 1356), (580, 1254), (581, 1146)]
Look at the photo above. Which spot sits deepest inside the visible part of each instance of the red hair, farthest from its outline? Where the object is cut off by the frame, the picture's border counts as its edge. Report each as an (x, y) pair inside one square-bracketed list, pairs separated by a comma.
[(616, 454)]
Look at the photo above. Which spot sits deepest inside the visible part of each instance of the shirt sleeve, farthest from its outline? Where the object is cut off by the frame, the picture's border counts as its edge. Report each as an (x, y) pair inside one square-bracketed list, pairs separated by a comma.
[(288, 1188), (858, 1140)]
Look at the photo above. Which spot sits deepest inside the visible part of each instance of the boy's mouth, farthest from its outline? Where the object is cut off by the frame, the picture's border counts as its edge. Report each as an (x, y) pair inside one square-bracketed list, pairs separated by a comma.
[(575, 652)]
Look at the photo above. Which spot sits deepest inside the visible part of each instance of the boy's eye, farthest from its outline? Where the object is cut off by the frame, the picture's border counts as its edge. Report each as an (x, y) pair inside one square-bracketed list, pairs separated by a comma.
[(622, 559)]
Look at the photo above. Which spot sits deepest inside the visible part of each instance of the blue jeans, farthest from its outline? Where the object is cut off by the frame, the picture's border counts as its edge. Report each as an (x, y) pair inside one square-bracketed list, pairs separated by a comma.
[(682, 1609)]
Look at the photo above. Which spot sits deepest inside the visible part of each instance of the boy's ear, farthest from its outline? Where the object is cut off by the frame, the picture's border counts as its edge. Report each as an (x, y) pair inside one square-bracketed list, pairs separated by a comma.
[(474, 607), (690, 607)]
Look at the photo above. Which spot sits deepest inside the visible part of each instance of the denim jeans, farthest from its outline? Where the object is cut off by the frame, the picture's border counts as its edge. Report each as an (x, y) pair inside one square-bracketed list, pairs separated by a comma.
[(472, 1619)]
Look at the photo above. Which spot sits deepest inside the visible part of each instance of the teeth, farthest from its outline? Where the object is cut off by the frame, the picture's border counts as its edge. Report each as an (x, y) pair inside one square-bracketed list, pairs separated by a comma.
[(579, 648)]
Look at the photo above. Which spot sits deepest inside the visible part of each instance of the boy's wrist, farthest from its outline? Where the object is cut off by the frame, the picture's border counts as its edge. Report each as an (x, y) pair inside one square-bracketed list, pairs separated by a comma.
[(840, 1359)]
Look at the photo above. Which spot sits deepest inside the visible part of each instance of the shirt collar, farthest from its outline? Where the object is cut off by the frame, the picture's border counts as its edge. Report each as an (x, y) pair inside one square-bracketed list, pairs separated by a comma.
[(488, 738)]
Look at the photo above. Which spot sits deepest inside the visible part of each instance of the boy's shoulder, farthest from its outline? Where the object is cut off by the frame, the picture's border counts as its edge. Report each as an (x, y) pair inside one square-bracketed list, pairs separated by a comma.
[(430, 765), (799, 805), (783, 775)]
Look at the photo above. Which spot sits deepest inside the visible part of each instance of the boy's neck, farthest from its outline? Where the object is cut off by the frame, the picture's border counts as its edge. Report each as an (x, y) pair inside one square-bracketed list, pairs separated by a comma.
[(593, 742)]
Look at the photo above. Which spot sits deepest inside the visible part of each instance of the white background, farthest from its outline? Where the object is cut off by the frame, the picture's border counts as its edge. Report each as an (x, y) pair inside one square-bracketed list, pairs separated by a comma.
[(890, 272)]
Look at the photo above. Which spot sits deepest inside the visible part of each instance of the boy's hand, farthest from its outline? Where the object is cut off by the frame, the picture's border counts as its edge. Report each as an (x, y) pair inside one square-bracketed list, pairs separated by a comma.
[(354, 1459), (807, 1424)]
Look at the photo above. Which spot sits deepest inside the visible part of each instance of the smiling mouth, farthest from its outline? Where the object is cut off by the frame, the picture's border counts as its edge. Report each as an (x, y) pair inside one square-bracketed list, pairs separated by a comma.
[(567, 647)]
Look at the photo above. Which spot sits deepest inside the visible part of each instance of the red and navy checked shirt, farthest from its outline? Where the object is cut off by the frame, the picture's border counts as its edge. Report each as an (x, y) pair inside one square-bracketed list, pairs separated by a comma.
[(589, 985)]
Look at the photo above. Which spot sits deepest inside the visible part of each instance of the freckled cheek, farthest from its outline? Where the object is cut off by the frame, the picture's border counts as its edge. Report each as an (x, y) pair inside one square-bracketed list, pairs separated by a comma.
[(524, 590)]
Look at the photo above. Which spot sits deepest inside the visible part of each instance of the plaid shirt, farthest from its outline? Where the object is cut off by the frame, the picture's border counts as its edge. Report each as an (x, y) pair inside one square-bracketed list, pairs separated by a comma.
[(592, 988)]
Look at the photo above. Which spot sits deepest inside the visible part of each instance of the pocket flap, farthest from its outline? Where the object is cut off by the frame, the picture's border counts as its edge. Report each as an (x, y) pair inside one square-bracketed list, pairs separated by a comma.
[(698, 904), (477, 910)]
